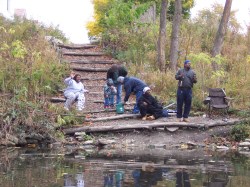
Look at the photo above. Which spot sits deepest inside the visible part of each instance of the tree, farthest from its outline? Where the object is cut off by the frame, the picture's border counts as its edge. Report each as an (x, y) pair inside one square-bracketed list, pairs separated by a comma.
[(186, 9), (221, 32), (175, 35), (161, 45)]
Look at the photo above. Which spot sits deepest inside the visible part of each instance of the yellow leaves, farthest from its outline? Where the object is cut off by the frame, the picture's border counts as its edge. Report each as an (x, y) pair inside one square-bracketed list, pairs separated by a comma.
[(60, 121), (11, 31), (18, 49), (219, 73), (2, 28), (188, 3), (36, 55), (248, 58), (100, 2), (4, 46), (94, 28)]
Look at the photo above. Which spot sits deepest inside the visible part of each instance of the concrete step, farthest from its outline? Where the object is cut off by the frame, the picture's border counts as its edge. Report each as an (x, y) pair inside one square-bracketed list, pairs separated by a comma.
[(84, 46), (83, 53)]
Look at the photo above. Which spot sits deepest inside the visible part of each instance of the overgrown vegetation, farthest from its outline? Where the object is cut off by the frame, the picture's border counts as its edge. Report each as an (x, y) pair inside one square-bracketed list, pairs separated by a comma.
[(30, 72), (240, 132)]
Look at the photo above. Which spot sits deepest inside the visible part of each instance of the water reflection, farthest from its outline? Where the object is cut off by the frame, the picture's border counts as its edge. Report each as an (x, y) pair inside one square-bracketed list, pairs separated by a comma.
[(182, 179), (20, 168), (216, 180), (114, 179), (108, 180), (72, 181)]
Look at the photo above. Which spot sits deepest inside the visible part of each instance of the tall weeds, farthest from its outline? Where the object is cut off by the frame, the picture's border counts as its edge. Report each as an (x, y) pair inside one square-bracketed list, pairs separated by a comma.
[(30, 72)]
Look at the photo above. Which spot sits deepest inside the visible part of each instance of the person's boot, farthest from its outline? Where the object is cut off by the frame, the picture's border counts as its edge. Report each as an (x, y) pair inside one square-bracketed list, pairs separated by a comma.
[(185, 120), (144, 118), (151, 118), (179, 119)]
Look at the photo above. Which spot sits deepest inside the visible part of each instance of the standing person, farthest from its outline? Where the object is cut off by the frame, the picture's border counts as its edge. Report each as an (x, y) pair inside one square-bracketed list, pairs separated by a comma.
[(186, 78), (149, 105), (132, 85), (113, 73), (75, 90), (109, 93)]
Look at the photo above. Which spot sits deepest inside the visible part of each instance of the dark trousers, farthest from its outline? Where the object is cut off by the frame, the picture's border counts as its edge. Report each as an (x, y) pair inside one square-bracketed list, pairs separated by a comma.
[(184, 97)]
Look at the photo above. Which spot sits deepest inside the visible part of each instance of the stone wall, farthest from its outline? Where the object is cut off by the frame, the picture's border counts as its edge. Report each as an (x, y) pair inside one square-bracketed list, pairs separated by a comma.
[(149, 16)]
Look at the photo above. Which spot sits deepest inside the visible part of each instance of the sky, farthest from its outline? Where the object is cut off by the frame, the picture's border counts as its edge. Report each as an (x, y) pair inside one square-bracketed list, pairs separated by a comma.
[(241, 6), (71, 16)]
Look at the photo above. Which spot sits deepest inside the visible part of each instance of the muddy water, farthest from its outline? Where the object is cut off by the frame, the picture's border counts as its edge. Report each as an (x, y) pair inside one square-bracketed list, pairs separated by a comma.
[(130, 168)]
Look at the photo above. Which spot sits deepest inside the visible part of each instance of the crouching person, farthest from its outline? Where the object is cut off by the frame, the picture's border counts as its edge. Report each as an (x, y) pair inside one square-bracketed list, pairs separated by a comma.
[(74, 91), (109, 93), (150, 108)]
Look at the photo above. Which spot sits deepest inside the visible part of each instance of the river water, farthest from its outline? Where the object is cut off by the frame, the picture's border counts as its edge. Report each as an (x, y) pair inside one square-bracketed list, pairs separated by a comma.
[(123, 168)]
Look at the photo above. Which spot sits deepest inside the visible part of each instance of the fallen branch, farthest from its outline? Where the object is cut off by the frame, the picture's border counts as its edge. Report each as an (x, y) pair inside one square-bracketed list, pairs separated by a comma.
[(62, 100), (147, 126), (90, 69), (122, 116), (57, 100), (100, 111), (97, 101), (228, 122)]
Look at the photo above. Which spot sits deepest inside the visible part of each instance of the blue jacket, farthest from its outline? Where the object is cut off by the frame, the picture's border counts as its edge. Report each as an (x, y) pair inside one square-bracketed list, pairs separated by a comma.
[(132, 84), (108, 91)]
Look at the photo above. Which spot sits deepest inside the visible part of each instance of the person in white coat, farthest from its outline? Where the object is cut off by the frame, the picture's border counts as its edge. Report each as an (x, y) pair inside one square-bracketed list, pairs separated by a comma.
[(74, 91)]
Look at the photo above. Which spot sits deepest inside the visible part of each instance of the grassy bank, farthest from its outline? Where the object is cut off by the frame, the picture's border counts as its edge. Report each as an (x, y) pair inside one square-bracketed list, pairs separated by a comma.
[(30, 73)]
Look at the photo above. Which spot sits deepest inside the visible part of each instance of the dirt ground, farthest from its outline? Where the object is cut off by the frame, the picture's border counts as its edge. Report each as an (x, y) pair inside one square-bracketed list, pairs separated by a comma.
[(160, 137)]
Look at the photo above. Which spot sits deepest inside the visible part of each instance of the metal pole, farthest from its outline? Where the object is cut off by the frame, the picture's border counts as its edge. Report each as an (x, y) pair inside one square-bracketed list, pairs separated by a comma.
[(7, 5)]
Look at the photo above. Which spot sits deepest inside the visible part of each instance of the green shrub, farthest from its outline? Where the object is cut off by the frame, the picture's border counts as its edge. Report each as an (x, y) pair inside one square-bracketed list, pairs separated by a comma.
[(240, 132)]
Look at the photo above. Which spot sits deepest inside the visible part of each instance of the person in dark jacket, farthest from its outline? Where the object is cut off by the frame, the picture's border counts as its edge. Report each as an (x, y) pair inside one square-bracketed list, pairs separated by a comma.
[(149, 105), (186, 78), (132, 85), (113, 73)]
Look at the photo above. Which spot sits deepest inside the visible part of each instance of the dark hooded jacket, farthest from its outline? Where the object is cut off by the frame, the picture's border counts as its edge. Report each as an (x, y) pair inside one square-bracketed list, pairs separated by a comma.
[(149, 105), (115, 71)]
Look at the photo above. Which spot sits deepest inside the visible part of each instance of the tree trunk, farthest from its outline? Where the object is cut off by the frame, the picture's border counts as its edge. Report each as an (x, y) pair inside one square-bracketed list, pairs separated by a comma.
[(175, 35), (221, 32), (162, 36), (146, 125)]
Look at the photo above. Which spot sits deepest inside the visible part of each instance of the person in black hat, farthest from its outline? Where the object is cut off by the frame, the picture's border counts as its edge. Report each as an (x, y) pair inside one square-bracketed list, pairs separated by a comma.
[(186, 78)]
